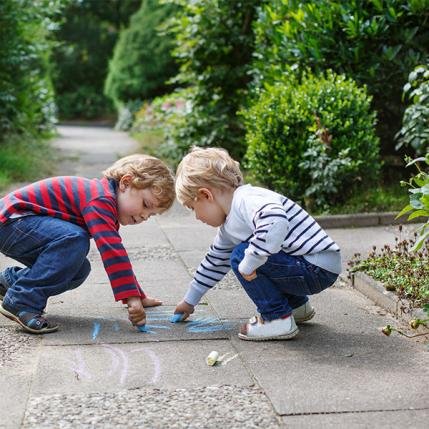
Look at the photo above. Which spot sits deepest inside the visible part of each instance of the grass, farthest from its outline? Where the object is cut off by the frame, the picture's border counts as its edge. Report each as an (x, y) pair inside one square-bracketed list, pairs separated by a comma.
[(24, 159)]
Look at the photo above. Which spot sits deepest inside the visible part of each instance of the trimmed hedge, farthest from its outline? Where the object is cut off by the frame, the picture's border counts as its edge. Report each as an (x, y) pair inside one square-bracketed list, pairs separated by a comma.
[(282, 122)]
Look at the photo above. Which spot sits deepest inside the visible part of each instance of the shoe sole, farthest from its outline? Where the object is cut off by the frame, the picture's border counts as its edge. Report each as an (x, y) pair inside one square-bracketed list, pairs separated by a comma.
[(274, 337), (306, 318), (11, 316)]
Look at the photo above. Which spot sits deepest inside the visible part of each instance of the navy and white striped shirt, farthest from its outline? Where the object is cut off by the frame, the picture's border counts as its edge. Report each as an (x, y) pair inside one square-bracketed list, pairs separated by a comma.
[(270, 223)]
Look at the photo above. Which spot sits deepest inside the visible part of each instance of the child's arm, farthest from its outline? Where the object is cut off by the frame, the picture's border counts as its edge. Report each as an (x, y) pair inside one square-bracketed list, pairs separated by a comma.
[(271, 226), (211, 270), (100, 218)]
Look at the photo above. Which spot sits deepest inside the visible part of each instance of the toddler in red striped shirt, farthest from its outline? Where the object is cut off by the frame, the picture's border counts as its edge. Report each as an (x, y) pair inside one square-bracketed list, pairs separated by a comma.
[(47, 227)]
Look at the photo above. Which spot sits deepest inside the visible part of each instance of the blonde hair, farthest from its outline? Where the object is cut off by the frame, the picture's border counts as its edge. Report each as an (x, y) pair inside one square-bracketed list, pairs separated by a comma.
[(146, 172), (210, 167)]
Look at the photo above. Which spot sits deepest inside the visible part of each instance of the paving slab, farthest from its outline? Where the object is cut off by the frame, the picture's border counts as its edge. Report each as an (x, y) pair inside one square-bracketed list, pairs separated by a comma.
[(340, 362), (15, 390), (110, 367), (114, 327), (99, 371), (144, 234), (415, 419)]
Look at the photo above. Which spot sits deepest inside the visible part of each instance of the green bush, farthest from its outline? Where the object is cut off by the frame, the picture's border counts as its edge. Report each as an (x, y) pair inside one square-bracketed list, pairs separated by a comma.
[(84, 45), (26, 96), (157, 121), (280, 126), (142, 62), (375, 42), (215, 43), (415, 124), (419, 198)]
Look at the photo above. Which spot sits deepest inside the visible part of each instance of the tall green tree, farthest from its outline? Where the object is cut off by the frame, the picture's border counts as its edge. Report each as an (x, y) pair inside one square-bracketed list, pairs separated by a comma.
[(86, 40), (26, 97), (142, 62)]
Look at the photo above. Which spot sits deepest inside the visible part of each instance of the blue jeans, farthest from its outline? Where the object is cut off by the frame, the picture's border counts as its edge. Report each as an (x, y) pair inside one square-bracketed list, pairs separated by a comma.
[(282, 283), (54, 254)]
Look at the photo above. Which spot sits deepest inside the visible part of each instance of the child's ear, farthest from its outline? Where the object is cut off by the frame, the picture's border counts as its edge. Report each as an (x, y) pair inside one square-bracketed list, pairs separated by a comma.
[(205, 194), (125, 181)]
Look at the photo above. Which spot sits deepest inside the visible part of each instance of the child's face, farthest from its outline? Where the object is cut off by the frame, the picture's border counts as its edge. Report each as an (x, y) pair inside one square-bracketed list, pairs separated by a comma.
[(135, 205), (208, 209)]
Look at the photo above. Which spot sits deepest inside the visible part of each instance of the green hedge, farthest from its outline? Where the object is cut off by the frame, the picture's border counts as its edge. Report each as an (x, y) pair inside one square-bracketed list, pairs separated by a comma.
[(26, 96), (374, 42), (282, 125)]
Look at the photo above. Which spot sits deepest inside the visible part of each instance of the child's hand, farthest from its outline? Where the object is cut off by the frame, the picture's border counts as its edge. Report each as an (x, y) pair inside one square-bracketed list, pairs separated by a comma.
[(184, 308), (136, 313), (151, 302), (249, 277)]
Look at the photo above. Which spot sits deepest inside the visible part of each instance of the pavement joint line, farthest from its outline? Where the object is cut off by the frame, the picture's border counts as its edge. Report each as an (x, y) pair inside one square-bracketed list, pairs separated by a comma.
[(31, 383), (354, 412), (140, 342)]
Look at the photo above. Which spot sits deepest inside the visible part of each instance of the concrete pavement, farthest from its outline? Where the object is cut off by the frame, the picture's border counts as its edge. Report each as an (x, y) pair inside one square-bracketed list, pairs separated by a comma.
[(99, 372)]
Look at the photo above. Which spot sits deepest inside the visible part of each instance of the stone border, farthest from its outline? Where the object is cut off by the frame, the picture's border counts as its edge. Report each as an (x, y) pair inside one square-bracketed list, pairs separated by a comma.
[(363, 220), (375, 291)]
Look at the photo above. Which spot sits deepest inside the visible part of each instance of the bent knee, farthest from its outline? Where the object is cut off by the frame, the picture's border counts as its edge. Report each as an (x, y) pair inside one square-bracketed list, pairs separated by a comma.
[(81, 275), (78, 240)]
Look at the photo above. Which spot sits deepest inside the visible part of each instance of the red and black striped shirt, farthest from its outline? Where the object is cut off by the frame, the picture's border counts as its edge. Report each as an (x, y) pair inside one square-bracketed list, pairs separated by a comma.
[(90, 203)]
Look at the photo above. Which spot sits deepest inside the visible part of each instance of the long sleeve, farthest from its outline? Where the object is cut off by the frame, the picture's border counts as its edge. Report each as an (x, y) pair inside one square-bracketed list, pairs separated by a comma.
[(270, 224), (99, 216), (212, 268)]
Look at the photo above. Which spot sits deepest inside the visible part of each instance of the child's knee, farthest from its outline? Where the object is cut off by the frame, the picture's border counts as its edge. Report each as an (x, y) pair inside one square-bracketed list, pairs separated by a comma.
[(79, 242), (81, 275)]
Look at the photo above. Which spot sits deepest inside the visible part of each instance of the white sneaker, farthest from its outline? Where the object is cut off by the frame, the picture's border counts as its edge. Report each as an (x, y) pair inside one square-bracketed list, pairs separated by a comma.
[(303, 313), (258, 329)]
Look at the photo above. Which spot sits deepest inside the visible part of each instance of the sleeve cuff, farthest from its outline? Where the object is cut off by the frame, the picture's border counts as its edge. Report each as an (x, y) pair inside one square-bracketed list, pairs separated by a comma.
[(250, 263), (194, 293)]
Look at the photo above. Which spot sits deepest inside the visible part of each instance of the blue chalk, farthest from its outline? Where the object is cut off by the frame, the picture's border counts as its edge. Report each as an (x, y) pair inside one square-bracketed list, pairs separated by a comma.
[(175, 318), (142, 328)]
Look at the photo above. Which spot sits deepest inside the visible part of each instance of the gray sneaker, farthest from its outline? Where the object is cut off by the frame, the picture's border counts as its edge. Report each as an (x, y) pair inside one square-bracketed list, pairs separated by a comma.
[(303, 313)]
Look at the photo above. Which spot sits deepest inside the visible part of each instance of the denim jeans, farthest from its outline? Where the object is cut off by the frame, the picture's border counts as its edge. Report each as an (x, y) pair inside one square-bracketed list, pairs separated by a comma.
[(282, 283), (54, 254)]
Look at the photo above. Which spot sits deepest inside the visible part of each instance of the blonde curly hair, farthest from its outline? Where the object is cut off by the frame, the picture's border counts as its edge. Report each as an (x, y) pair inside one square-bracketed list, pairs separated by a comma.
[(206, 168), (146, 172)]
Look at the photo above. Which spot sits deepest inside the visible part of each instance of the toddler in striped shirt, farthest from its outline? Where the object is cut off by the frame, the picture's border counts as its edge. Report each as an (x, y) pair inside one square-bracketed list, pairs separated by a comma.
[(47, 225), (278, 251)]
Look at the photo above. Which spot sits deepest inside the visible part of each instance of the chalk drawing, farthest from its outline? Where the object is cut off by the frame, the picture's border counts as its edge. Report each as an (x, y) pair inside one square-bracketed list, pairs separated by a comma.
[(123, 359), (155, 361), (78, 366), (96, 330)]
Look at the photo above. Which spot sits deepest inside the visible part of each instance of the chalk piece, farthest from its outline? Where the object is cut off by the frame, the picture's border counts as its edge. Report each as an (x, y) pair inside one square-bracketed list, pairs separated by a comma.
[(142, 328), (175, 318), (212, 358)]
